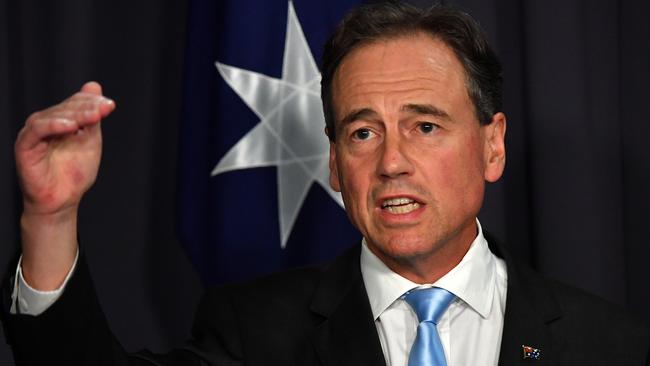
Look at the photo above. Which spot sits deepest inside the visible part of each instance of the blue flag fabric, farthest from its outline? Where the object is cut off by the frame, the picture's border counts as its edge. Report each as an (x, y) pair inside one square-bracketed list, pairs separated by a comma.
[(253, 193)]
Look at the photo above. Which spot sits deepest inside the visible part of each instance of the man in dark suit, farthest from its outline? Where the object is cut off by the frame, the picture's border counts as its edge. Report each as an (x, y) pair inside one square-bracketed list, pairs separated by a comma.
[(412, 103)]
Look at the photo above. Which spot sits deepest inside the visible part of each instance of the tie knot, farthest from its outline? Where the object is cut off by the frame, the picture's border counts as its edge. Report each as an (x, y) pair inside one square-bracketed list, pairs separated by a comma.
[(429, 303)]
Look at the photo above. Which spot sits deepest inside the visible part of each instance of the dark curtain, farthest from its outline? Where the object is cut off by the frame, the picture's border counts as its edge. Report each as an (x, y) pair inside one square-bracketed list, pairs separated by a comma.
[(572, 201), (135, 49)]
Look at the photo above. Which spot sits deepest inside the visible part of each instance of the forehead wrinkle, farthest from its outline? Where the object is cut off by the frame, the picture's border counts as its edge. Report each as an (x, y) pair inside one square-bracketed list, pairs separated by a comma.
[(357, 114), (408, 99), (383, 76), (425, 109), (360, 86)]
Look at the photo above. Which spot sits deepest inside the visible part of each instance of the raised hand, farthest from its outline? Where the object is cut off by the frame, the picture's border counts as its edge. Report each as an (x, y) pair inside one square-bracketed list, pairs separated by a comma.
[(57, 158), (58, 151)]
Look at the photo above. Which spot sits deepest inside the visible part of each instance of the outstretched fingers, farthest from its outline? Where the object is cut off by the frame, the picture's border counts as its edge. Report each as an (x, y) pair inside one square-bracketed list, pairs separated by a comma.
[(40, 129), (83, 109)]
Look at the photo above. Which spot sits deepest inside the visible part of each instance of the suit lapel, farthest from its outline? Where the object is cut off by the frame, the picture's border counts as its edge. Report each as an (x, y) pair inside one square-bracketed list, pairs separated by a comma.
[(530, 308), (347, 334)]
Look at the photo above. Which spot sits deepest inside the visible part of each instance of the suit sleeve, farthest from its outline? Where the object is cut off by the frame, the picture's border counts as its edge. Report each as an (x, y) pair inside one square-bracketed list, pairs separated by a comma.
[(74, 331)]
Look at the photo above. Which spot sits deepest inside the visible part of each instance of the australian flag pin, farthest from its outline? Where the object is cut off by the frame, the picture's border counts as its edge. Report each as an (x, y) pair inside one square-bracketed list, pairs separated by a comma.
[(531, 353)]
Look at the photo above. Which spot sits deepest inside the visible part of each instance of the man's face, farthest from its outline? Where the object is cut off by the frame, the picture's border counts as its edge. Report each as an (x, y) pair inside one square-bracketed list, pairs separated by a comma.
[(410, 156)]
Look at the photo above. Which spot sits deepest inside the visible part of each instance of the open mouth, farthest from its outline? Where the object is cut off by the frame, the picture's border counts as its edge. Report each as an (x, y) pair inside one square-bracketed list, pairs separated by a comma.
[(400, 205)]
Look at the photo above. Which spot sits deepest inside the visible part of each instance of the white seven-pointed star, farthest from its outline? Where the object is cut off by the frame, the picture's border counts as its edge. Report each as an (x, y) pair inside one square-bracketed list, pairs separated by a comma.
[(290, 132)]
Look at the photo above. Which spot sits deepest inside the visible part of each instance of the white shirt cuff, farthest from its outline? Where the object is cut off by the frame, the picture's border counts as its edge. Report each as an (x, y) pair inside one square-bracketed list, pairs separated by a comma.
[(29, 301)]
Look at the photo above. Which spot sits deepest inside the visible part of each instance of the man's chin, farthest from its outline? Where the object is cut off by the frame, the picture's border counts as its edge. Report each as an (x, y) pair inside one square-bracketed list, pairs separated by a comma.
[(404, 250)]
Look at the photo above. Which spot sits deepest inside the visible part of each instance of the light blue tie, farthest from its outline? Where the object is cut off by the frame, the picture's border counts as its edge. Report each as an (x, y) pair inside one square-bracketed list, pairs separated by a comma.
[(429, 304)]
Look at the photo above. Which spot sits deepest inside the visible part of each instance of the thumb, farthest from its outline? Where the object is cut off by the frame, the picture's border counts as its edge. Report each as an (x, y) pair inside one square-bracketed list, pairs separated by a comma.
[(92, 87)]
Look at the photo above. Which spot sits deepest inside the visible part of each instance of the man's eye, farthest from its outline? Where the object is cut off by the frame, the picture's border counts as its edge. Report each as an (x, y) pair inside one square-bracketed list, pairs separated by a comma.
[(427, 127), (362, 134)]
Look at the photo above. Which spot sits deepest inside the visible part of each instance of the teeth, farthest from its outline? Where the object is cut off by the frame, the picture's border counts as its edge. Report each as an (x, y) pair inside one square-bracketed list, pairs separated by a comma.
[(403, 209), (400, 205), (396, 202)]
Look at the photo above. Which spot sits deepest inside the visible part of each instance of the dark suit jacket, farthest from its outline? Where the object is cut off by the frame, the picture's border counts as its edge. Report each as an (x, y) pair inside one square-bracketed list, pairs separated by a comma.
[(321, 316)]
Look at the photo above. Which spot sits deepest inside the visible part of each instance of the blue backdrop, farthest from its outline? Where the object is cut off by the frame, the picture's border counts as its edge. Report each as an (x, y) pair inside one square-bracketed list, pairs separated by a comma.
[(229, 222)]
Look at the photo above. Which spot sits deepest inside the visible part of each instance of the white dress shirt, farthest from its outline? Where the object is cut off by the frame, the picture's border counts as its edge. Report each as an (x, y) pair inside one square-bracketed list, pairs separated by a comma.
[(471, 328), (29, 301)]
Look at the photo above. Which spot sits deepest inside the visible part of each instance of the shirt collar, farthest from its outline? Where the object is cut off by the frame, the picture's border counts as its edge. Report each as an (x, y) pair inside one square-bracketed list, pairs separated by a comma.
[(472, 280)]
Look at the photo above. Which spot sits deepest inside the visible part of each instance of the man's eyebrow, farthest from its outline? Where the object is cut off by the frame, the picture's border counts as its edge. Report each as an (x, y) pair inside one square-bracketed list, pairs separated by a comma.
[(425, 109), (368, 113), (357, 114)]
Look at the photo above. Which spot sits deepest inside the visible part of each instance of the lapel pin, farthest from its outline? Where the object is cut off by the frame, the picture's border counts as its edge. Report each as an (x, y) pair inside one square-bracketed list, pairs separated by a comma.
[(531, 353)]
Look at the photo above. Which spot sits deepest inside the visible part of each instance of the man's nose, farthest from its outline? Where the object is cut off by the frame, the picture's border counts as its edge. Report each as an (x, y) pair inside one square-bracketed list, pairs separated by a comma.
[(394, 160)]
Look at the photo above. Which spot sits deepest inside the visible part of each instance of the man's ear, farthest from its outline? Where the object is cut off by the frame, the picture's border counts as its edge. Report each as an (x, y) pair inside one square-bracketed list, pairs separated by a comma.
[(495, 147), (334, 170)]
